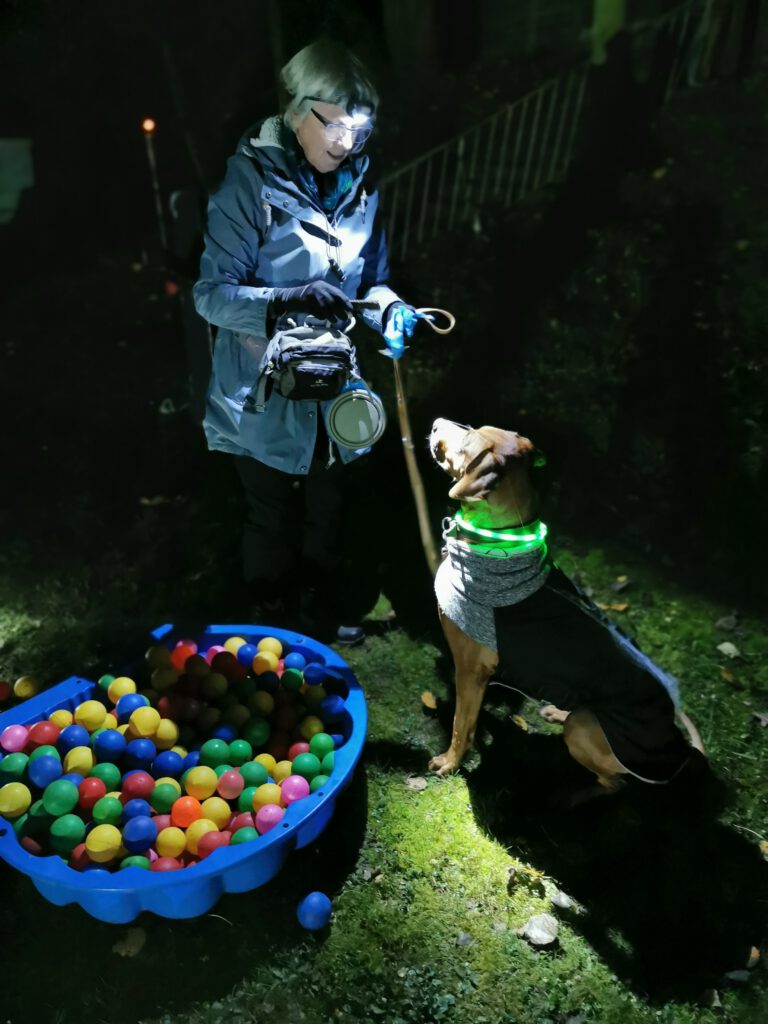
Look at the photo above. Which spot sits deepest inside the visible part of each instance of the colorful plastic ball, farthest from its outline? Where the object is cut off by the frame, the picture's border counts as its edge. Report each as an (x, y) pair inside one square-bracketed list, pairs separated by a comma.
[(225, 732), (282, 770), (269, 682), (171, 842), (321, 744), (166, 735), (294, 788), (327, 763), (226, 664), (314, 911), (135, 861), (62, 718), (168, 780), (14, 738), (90, 714), (5, 690), (243, 835), (136, 808), (211, 841), (164, 678), (59, 797), (43, 734), (157, 656), (245, 655), (180, 654), (185, 810), (26, 687), (295, 660), (108, 773), (214, 685), (137, 784), (15, 799), (103, 843), (214, 752), (270, 643), (244, 819), (245, 800), (240, 751), (197, 830), (213, 650), (139, 834), (307, 765), (14, 766), (217, 810), (269, 793), (231, 784), (268, 816), (267, 760), (292, 679), (110, 721), (220, 769), (254, 773), (104, 681), (264, 661), (309, 726), (144, 721), (196, 667), (140, 753), (201, 782), (129, 703), (313, 696), (119, 687), (66, 832), (314, 674), (261, 703), (300, 747), (74, 777), (45, 751), (109, 745), (42, 771), (317, 783), (79, 760), (90, 791), (256, 732), (168, 762), (165, 864), (107, 811), (78, 858), (233, 644)]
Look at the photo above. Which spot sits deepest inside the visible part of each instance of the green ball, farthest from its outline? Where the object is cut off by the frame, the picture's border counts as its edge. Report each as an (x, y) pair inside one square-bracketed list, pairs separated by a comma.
[(45, 751), (39, 820), (327, 763), (21, 824), (66, 832), (163, 797), (292, 679), (213, 753), (317, 782), (221, 768), (254, 773), (137, 861), (256, 731), (307, 765), (244, 835), (108, 773), (13, 767), (107, 811), (245, 800), (321, 744), (240, 751), (105, 680), (60, 797)]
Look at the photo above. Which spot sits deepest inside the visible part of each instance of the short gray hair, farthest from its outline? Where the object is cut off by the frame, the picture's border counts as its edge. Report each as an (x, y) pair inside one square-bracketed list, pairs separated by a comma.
[(327, 71)]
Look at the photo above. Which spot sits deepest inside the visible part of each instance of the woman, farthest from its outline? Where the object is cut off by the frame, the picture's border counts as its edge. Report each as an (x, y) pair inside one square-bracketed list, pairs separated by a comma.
[(293, 229)]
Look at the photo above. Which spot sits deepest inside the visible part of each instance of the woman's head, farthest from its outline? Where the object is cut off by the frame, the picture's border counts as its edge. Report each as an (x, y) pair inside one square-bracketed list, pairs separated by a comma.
[(332, 102)]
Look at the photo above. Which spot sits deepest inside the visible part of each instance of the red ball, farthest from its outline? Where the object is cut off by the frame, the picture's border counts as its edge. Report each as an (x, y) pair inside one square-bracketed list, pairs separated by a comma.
[(244, 820), (297, 748), (162, 821), (139, 784), (90, 790), (31, 845), (170, 288), (165, 864), (211, 841), (227, 664), (42, 734), (180, 654), (79, 858), (5, 690)]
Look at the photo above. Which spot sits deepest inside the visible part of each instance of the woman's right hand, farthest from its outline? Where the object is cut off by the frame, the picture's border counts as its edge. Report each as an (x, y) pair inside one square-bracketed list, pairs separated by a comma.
[(318, 298)]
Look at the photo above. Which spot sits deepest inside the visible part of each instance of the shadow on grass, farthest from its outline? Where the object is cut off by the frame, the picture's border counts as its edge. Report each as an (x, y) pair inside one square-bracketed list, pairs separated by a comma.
[(58, 964)]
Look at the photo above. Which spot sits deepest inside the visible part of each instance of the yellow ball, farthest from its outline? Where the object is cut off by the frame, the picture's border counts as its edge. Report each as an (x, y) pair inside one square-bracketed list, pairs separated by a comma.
[(167, 734), (123, 729), (62, 718), (15, 799), (217, 810), (269, 793), (79, 760), (144, 722), (181, 751), (110, 722), (171, 841), (282, 770), (171, 782), (157, 656), (312, 695), (197, 830), (270, 643), (268, 761), (116, 794), (261, 703), (90, 714), (119, 687), (309, 726), (201, 782), (265, 661), (234, 644), (26, 687), (164, 678), (103, 843)]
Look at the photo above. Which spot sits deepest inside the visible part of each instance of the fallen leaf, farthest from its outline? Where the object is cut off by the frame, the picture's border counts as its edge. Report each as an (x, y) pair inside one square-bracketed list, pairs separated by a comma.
[(754, 958), (520, 722), (619, 607), (728, 649), (416, 782), (429, 700), (540, 930), (132, 944)]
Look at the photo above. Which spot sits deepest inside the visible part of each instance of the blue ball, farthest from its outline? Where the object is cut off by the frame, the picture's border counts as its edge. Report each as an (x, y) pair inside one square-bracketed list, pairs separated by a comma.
[(139, 834), (139, 754), (72, 777), (192, 760), (73, 736), (45, 769), (331, 707), (128, 704), (314, 674), (136, 808), (313, 657), (110, 745), (295, 660), (314, 911), (338, 739), (168, 762), (246, 654), (224, 732)]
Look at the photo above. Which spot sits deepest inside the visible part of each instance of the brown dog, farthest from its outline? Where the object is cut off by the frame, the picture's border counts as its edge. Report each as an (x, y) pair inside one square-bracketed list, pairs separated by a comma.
[(505, 606)]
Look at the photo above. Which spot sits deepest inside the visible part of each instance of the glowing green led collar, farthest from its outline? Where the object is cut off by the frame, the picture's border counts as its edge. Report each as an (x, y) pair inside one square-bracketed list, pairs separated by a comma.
[(517, 538)]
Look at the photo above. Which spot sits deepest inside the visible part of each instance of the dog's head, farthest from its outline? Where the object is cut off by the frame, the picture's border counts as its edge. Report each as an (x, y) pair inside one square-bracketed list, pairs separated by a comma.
[(478, 459)]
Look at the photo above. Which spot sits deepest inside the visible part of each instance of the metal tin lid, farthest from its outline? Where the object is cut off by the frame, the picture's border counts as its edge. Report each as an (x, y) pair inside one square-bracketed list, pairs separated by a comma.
[(356, 419)]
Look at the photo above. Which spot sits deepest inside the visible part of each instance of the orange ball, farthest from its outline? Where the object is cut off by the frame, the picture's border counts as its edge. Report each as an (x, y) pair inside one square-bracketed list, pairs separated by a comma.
[(184, 811)]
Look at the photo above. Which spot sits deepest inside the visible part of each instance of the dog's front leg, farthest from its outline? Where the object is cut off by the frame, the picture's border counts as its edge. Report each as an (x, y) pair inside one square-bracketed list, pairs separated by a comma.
[(474, 665)]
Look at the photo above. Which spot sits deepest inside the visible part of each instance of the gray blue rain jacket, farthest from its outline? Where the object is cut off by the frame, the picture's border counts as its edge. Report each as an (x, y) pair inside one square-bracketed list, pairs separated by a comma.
[(265, 232)]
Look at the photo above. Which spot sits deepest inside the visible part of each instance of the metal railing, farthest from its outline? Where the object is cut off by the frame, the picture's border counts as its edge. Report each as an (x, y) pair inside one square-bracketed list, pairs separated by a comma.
[(510, 154)]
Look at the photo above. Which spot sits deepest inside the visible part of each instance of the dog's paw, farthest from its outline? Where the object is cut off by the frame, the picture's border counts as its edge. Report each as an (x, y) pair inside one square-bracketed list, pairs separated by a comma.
[(444, 764), (552, 714)]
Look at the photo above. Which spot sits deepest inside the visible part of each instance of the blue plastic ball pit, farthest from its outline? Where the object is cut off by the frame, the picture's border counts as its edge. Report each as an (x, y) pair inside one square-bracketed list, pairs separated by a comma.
[(119, 897)]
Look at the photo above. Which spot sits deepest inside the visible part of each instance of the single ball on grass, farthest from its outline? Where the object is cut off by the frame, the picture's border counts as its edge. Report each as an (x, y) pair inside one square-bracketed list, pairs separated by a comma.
[(314, 911)]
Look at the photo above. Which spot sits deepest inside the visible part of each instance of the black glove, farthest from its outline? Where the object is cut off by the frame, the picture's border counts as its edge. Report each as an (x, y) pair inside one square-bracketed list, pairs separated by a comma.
[(318, 298)]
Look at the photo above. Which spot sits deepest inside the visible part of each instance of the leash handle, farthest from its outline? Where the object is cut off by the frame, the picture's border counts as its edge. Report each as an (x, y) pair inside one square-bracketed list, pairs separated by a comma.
[(426, 313)]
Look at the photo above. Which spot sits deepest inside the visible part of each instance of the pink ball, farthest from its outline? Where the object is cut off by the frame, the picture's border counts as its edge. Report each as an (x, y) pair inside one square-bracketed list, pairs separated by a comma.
[(294, 787), (267, 817), (230, 784), (14, 738), (211, 653), (153, 855), (243, 820), (161, 821)]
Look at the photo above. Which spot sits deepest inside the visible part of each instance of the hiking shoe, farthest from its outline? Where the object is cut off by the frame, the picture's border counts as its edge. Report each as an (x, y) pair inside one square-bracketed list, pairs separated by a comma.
[(350, 636)]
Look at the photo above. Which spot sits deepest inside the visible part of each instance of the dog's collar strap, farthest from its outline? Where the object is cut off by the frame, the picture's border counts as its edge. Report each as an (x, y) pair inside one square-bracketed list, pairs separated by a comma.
[(516, 539)]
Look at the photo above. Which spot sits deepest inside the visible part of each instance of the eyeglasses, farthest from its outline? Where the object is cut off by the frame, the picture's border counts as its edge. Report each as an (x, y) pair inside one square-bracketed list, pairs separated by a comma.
[(337, 132)]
